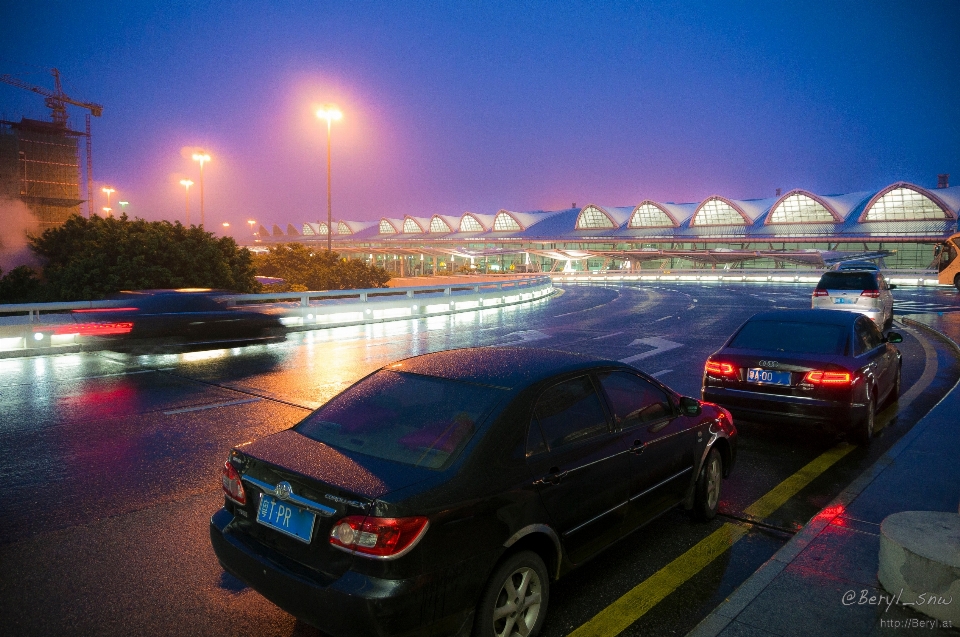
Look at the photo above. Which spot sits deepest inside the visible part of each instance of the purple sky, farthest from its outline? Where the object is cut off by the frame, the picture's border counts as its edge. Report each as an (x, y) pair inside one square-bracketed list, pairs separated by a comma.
[(477, 106)]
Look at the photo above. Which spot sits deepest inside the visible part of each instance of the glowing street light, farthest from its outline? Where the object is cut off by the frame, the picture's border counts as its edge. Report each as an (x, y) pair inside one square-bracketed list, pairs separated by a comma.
[(109, 191), (123, 206), (201, 157), (331, 113), (186, 183), (252, 223), (226, 225), (107, 210)]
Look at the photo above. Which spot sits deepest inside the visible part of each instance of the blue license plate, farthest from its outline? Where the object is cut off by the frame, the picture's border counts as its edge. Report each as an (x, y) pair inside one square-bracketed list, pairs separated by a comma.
[(841, 301), (286, 518), (767, 376)]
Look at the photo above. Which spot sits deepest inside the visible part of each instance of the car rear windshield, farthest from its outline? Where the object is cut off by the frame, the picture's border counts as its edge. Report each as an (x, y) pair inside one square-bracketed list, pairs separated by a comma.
[(792, 337), (848, 281), (409, 418)]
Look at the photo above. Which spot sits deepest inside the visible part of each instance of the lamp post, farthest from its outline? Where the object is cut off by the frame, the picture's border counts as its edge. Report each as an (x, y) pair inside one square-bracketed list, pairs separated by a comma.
[(252, 223), (201, 157), (109, 191), (106, 211), (186, 183), (331, 113), (123, 206)]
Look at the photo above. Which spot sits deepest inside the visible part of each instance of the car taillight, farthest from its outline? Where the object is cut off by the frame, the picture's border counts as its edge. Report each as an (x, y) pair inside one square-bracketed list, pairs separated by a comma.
[(718, 368), (817, 377), (873, 294), (232, 486), (820, 292), (378, 537)]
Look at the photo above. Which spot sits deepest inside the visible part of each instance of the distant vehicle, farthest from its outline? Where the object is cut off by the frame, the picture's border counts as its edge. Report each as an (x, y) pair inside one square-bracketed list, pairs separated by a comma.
[(947, 262), (153, 320), (857, 265), (454, 487), (863, 291), (807, 367)]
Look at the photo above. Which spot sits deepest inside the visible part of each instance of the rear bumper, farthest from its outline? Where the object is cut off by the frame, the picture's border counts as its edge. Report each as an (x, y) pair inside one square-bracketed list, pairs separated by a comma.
[(800, 411), (354, 605), (875, 314)]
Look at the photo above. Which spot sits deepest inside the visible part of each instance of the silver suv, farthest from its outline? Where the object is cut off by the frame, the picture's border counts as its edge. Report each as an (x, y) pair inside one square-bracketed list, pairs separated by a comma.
[(863, 291)]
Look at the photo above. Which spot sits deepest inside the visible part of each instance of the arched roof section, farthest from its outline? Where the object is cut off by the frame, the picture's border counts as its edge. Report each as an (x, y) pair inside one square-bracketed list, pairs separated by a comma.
[(343, 228), (594, 217), (415, 225), (802, 206), (471, 222), (443, 224), (906, 202), (347, 227), (719, 211), (315, 229), (390, 226), (650, 214), (506, 221)]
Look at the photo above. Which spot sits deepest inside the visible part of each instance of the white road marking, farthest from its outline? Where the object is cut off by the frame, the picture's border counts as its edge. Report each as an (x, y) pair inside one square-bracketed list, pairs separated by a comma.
[(597, 338), (661, 373), (213, 406), (661, 345), (663, 319)]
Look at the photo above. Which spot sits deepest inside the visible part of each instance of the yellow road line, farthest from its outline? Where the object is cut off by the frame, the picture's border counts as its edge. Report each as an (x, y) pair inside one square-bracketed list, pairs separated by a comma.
[(633, 605)]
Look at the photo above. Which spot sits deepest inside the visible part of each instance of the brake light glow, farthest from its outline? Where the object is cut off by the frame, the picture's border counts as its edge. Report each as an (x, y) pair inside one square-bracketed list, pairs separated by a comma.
[(385, 538), (718, 368), (873, 294), (817, 377), (95, 329), (820, 292), (232, 486)]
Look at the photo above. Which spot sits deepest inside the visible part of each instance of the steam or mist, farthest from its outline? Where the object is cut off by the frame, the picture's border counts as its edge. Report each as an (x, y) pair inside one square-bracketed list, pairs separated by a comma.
[(16, 223)]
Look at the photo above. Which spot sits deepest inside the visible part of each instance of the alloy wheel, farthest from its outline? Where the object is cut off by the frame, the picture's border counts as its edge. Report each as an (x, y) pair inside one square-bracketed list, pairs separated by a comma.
[(517, 607), (713, 481)]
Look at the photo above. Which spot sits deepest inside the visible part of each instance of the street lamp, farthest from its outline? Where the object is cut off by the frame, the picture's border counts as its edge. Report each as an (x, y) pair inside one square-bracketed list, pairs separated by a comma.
[(331, 113), (109, 191), (123, 206), (251, 222), (201, 157), (107, 210), (186, 183)]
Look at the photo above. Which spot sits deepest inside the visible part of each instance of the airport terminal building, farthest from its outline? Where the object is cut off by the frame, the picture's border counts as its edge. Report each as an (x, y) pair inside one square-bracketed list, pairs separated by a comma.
[(898, 226)]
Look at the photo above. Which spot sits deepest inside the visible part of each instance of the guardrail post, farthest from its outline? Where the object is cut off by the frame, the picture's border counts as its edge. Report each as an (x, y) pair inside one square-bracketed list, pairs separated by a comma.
[(409, 294), (448, 291), (363, 297)]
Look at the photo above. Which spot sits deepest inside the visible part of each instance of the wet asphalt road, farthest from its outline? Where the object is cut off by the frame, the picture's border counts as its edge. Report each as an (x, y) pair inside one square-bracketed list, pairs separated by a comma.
[(110, 462)]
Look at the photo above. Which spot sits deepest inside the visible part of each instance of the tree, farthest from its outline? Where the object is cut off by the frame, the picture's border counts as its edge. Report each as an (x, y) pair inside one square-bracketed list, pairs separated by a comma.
[(302, 268), (20, 285), (88, 259)]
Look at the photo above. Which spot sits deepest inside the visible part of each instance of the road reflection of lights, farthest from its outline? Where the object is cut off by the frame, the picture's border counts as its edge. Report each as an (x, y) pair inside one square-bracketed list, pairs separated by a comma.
[(11, 365), (210, 354), (40, 366), (66, 361)]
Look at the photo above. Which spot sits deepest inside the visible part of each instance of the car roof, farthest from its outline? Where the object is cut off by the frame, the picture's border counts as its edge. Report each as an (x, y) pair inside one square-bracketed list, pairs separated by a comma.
[(823, 317), (507, 367)]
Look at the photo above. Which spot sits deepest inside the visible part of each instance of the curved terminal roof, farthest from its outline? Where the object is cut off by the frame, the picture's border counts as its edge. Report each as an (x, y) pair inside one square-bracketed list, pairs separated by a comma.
[(901, 211)]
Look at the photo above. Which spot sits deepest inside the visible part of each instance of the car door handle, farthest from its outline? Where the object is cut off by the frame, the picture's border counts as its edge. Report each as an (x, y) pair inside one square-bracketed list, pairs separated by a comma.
[(638, 447), (554, 477)]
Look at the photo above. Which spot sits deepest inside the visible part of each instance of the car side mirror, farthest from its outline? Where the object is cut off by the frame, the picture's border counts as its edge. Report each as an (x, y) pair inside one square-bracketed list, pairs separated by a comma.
[(690, 406), (892, 286), (894, 337)]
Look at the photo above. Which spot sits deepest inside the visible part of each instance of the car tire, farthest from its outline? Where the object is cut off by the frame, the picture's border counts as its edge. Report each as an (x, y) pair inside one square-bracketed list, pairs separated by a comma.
[(863, 431), (894, 395), (706, 499), (498, 614)]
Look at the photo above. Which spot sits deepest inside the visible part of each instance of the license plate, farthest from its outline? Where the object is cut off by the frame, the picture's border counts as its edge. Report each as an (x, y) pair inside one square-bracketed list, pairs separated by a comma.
[(767, 376), (841, 301), (286, 518)]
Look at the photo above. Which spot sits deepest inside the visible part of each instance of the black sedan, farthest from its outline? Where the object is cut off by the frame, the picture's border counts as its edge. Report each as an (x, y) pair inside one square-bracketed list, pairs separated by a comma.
[(443, 493), (154, 320), (827, 368)]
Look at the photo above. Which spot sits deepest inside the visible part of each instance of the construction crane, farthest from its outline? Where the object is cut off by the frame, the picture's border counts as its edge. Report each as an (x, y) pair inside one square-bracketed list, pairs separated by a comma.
[(56, 100)]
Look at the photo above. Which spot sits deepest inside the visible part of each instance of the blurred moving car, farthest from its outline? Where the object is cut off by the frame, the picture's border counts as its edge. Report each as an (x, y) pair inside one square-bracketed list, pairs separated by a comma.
[(807, 367), (154, 319), (862, 291), (446, 491)]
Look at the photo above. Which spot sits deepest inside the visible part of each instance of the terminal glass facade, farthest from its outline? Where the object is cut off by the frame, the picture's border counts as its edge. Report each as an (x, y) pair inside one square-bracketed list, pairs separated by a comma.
[(386, 227), (308, 230), (715, 212), (410, 227), (439, 225), (469, 224), (343, 228), (649, 216), (505, 223), (800, 208), (592, 217), (904, 204)]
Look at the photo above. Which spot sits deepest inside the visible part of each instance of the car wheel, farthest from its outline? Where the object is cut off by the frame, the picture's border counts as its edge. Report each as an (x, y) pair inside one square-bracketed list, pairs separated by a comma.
[(863, 431), (706, 501), (895, 390), (514, 603)]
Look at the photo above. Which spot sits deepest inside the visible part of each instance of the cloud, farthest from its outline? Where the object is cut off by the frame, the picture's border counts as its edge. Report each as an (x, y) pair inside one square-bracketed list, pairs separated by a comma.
[(16, 223)]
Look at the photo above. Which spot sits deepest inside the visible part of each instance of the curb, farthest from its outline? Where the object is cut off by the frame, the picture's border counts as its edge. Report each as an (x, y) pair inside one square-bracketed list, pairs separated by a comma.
[(721, 616)]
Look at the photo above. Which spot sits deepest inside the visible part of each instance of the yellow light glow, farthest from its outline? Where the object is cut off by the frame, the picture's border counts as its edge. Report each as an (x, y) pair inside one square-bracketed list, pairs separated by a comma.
[(329, 112), (226, 225), (201, 157), (186, 183), (192, 290), (108, 190)]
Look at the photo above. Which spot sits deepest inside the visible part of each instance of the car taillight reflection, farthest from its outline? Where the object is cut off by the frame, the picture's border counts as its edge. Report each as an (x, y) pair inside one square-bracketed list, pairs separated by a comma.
[(820, 292), (232, 486), (873, 294), (718, 368), (378, 537), (818, 377)]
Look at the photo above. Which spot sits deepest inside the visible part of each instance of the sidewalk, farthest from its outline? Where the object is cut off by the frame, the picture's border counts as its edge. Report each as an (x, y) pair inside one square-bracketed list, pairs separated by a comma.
[(821, 581)]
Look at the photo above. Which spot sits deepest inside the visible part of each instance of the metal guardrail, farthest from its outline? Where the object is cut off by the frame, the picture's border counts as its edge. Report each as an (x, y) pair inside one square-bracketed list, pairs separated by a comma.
[(302, 310), (924, 278)]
